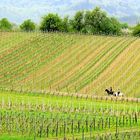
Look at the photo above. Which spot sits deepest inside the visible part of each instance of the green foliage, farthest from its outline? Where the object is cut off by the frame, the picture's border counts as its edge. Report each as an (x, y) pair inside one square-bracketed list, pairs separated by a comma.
[(97, 21), (115, 27), (136, 30), (51, 22), (78, 21), (124, 26), (65, 25), (5, 25), (27, 25)]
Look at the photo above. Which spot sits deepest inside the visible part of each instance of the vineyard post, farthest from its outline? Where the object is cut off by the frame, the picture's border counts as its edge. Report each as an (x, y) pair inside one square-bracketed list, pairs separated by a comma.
[(130, 120), (78, 126), (72, 126), (109, 122), (90, 130), (94, 121), (102, 120), (87, 124), (40, 132), (116, 127), (57, 129), (34, 132), (136, 118), (64, 130), (123, 120), (47, 131), (83, 135)]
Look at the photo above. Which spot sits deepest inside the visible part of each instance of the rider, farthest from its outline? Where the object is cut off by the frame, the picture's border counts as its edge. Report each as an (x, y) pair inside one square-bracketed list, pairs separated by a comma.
[(110, 89)]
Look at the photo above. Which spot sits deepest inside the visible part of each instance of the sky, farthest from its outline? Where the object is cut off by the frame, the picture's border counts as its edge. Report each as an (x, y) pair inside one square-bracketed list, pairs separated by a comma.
[(19, 10)]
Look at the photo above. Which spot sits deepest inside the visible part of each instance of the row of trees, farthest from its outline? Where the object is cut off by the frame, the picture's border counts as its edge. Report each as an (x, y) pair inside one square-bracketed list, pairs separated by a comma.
[(93, 22)]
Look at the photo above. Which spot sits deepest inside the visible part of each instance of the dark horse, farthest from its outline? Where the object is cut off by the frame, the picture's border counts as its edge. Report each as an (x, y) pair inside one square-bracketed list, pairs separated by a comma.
[(109, 92)]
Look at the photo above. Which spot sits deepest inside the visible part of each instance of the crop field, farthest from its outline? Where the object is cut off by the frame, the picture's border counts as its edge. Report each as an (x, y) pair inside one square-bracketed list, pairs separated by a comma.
[(52, 86), (71, 63)]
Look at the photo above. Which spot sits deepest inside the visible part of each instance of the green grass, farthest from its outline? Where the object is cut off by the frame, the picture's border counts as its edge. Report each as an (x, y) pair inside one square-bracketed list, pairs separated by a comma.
[(36, 112)]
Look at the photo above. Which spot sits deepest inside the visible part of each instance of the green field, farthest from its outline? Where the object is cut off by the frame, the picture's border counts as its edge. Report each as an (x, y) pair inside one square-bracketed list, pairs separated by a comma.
[(52, 86), (50, 116)]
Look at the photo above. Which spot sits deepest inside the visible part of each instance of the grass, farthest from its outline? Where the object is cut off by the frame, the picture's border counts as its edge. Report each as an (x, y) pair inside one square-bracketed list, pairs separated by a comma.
[(45, 111)]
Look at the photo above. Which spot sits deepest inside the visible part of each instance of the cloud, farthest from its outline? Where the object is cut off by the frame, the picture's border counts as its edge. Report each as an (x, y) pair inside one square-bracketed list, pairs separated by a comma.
[(19, 10)]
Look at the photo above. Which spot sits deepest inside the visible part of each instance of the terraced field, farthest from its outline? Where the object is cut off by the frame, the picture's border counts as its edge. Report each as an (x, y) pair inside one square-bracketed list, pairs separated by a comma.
[(69, 63)]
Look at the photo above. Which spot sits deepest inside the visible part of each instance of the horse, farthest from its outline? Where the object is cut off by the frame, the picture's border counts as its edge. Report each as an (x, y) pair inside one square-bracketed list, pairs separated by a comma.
[(109, 92), (118, 94)]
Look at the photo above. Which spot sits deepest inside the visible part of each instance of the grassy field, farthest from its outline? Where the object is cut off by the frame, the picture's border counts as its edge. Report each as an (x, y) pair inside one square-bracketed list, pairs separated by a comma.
[(40, 116), (52, 86), (71, 63)]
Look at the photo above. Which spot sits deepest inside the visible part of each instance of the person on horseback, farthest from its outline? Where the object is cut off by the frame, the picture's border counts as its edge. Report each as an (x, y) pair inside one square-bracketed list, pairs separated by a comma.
[(111, 90)]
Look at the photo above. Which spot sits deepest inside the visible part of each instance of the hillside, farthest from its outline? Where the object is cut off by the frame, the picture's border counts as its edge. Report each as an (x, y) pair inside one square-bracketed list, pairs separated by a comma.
[(71, 63)]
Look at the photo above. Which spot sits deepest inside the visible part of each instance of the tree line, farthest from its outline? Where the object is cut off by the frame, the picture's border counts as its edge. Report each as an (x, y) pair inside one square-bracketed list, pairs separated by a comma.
[(94, 21)]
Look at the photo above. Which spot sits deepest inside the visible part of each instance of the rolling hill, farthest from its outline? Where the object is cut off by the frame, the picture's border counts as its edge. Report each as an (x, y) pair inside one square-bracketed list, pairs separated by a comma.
[(73, 63)]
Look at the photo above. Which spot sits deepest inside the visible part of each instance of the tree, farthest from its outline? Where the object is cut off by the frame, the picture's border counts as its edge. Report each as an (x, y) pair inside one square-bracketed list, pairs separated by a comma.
[(51, 22), (87, 21), (78, 21), (5, 25), (65, 25), (27, 25), (97, 21), (136, 30), (124, 26), (114, 26)]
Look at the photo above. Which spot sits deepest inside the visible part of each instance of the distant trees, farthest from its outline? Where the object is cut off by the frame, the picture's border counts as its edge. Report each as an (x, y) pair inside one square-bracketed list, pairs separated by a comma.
[(124, 26), (136, 30), (5, 25), (65, 24), (93, 21), (51, 22), (27, 25), (97, 21), (78, 22)]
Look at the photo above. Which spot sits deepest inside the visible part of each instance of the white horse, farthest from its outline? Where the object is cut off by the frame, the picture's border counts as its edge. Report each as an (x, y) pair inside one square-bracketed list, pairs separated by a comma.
[(118, 94)]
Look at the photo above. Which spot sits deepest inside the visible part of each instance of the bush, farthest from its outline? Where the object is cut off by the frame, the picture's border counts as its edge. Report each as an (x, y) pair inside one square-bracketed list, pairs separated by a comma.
[(136, 30), (5, 25), (27, 25)]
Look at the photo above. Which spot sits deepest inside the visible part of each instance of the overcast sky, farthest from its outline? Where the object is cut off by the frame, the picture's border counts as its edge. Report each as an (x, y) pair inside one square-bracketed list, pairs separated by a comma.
[(19, 10)]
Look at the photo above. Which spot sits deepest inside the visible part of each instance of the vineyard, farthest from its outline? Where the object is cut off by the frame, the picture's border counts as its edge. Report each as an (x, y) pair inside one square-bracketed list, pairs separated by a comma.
[(71, 63), (50, 116), (52, 86)]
